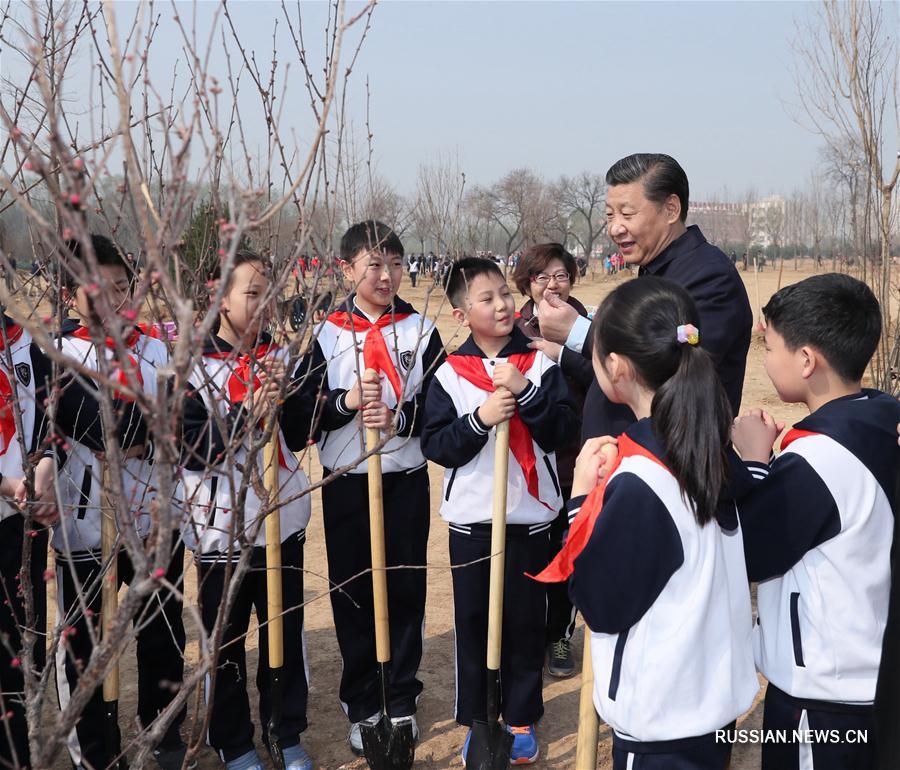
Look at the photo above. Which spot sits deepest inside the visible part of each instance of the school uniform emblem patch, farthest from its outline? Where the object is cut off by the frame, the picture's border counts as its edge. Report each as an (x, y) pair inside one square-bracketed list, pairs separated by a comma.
[(406, 359), (23, 372)]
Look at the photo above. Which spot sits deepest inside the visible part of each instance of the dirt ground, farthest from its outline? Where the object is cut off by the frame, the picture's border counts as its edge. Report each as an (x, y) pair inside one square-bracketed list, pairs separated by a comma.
[(441, 739)]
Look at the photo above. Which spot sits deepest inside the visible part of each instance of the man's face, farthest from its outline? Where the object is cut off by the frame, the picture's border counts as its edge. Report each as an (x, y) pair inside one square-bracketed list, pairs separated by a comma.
[(640, 227)]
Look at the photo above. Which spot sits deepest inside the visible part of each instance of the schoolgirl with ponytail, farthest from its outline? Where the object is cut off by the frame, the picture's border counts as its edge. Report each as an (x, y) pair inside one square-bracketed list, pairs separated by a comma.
[(659, 573)]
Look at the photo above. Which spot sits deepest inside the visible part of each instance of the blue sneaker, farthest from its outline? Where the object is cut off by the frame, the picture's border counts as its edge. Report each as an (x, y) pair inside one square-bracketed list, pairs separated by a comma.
[(465, 748), (296, 758), (524, 749)]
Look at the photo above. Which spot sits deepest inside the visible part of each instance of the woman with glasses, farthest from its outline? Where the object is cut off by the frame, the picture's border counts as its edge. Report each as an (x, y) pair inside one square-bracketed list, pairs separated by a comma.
[(543, 269)]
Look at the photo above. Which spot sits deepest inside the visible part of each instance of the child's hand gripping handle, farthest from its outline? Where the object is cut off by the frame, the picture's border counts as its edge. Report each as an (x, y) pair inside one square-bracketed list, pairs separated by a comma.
[(498, 544), (376, 529)]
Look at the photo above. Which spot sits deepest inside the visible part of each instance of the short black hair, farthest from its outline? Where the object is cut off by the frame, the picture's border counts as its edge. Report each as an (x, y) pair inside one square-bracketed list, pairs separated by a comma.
[(241, 257), (368, 236), (661, 176), (463, 272), (837, 315), (105, 252)]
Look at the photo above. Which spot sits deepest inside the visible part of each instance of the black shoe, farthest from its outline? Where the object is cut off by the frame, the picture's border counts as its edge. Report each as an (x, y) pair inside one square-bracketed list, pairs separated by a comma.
[(559, 659), (173, 759)]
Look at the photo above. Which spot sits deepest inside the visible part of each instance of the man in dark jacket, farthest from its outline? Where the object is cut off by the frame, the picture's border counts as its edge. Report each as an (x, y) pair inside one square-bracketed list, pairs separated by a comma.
[(646, 209)]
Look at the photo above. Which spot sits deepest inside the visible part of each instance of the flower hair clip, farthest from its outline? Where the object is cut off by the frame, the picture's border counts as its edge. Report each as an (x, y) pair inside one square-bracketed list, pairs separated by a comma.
[(688, 333)]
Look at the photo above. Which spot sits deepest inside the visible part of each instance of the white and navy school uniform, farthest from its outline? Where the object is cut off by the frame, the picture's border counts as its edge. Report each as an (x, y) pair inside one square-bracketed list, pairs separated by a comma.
[(455, 437), (332, 367), (668, 606), (227, 516), (77, 546), (25, 374), (818, 530)]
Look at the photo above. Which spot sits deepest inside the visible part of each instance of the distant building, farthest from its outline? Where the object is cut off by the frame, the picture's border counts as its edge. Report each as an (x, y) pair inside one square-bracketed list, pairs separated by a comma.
[(722, 223), (727, 224), (767, 222)]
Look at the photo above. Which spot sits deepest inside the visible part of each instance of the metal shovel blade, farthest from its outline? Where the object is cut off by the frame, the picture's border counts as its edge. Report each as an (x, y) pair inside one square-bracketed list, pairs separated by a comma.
[(388, 746), (488, 747), (272, 739)]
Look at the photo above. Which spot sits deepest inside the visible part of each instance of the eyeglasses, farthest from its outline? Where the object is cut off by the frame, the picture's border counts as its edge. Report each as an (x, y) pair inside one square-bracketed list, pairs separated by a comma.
[(543, 279)]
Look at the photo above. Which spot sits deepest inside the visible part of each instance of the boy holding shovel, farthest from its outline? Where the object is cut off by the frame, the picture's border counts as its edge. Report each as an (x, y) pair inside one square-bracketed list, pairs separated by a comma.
[(231, 393), (374, 329), (493, 378)]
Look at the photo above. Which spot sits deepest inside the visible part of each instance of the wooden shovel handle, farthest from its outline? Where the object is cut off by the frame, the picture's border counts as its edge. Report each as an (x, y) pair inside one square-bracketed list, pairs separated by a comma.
[(109, 592), (274, 601), (588, 722), (379, 560), (498, 546)]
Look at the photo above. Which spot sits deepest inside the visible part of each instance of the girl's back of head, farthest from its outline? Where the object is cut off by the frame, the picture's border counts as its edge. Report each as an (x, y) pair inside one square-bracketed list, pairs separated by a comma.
[(690, 412)]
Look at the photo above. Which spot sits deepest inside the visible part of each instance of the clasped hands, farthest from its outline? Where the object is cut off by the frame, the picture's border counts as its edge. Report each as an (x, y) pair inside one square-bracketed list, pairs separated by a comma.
[(365, 398), (500, 405), (753, 435)]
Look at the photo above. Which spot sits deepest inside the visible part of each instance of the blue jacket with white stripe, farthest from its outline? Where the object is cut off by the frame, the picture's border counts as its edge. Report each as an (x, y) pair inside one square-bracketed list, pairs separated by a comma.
[(455, 437), (818, 526)]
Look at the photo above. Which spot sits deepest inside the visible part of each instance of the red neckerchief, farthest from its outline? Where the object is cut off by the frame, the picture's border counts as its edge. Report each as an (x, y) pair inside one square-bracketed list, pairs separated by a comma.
[(151, 330), (13, 332), (793, 434), (124, 378), (83, 333), (239, 379), (7, 415), (471, 369), (375, 349), (582, 526)]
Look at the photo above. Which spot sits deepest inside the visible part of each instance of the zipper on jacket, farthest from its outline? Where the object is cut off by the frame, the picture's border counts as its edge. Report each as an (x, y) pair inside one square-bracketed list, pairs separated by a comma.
[(617, 664), (552, 474), (795, 629), (450, 484), (85, 500)]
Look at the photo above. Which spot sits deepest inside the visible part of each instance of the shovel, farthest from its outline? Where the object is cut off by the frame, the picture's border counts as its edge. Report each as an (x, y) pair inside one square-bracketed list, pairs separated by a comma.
[(274, 603), (588, 722), (109, 607), (387, 746), (490, 742)]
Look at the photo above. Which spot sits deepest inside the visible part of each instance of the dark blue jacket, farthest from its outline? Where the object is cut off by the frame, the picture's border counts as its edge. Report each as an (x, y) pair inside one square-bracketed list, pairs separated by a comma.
[(726, 321)]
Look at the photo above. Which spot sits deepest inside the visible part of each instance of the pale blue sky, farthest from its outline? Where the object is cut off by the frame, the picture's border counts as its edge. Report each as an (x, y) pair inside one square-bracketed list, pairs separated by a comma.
[(556, 86), (565, 86)]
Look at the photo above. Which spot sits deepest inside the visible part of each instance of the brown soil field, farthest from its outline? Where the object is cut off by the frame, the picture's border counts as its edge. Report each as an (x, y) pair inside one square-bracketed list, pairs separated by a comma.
[(441, 738)]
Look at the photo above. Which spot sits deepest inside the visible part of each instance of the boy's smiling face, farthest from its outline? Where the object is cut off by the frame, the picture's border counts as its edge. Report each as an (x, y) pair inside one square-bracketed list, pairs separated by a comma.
[(490, 307), (376, 277)]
